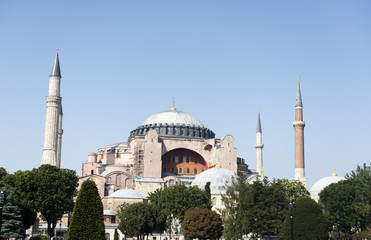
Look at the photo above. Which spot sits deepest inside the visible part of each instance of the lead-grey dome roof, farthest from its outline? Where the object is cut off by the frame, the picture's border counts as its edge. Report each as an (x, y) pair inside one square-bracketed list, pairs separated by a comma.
[(219, 178), (173, 117), (126, 193)]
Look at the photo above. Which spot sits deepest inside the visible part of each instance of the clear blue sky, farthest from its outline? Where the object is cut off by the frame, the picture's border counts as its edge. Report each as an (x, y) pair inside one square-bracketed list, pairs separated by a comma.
[(122, 61)]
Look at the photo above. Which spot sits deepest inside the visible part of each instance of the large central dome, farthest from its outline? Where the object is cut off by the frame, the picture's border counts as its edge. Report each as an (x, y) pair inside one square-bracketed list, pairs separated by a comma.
[(173, 117), (173, 123)]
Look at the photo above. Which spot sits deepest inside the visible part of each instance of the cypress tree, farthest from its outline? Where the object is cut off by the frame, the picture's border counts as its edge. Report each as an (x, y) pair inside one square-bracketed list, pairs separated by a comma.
[(87, 219), (12, 226), (116, 236)]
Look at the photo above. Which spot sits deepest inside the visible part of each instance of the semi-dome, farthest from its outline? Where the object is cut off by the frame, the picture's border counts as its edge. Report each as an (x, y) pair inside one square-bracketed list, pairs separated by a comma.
[(219, 178), (173, 117), (322, 183)]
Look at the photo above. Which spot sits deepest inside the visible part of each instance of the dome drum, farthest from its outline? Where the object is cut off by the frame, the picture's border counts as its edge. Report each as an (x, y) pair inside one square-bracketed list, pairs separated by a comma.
[(176, 130)]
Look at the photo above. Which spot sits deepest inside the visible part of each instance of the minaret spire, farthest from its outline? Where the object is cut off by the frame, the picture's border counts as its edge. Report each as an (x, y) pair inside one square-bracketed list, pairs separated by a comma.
[(53, 123), (298, 95), (259, 148), (299, 125), (56, 71)]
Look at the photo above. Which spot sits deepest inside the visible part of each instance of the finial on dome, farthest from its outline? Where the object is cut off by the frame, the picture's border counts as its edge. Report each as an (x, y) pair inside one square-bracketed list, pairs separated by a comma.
[(173, 107), (333, 172)]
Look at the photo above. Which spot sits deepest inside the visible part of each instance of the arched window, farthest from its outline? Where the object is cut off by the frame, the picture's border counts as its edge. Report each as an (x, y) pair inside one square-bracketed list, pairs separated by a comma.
[(173, 158), (164, 169), (195, 171), (214, 201), (180, 170), (196, 161), (202, 169), (118, 180), (172, 169), (92, 172), (180, 157), (188, 170), (164, 160), (108, 236), (127, 183), (187, 159), (109, 180)]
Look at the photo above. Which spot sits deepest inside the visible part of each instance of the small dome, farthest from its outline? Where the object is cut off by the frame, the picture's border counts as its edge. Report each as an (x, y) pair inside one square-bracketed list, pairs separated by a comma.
[(173, 117), (126, 193), (92, 154), (321, 184), (219, 179)]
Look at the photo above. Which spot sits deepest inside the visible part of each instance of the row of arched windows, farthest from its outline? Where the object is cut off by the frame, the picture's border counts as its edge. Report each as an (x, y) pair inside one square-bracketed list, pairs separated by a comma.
[(179, 159), (118, 181), (180, 170)]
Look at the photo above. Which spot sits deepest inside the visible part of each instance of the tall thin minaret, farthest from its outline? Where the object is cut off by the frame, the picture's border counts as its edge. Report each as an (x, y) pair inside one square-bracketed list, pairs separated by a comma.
[(53, 110), (259, 147), (60, 133), (299, 125)]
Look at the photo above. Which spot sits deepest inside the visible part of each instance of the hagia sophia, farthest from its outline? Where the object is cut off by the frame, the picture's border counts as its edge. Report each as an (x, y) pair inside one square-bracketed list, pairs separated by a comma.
[(169, 147)]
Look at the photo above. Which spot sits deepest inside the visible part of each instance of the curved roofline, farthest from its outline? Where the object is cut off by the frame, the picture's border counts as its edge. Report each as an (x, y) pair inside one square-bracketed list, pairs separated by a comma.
[(189, 116), (109, 171)]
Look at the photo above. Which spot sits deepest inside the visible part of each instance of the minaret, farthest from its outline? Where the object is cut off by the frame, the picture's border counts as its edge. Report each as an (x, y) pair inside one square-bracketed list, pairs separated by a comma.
[(53, 110), (299, 125), (259, 148), (60, 133)]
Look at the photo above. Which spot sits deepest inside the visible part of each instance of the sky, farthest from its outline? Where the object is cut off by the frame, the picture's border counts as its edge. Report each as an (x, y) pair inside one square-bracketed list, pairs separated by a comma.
[(222, 61)]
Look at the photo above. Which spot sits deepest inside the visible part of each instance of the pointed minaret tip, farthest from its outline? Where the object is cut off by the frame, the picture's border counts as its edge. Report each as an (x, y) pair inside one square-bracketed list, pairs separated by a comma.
[(259, 125), (56, 71), (298, 95), (173, 107)]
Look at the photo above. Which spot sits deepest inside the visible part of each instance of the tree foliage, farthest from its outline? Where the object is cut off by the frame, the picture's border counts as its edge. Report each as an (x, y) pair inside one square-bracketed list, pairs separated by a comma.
[(309, 222), (348, 202), (235, 211), (178, 199), (54, 189), (21, 183), (11, 221), (202, 224), (293, 189), (87, 218), (140, 219), (259, 207), (116, 235)]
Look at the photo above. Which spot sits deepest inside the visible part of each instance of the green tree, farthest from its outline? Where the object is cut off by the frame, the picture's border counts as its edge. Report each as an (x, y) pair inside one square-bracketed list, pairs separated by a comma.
[(234, 213), (53, 192), (22, 184), (11, 221), (266, 207), (348, 202), (361, 180), (202, 224), (208, 191), (178, 199), (310, 223), (87, 218), (116, 235), (293, 189), (139, 219)]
